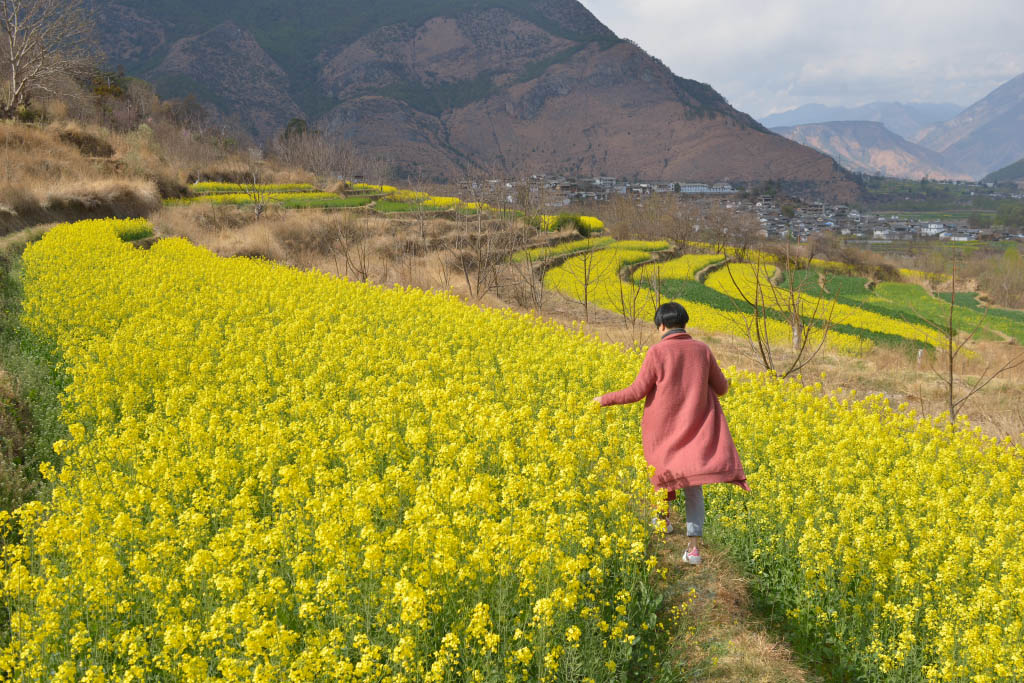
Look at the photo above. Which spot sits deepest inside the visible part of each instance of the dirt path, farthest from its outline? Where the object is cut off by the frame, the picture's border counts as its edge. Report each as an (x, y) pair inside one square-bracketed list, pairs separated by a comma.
[(626, 272), (704, 272), (718, 637)]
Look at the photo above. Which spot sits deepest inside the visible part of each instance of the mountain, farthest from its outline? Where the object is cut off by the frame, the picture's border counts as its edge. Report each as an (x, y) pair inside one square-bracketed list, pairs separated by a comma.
[(449, 87), (904, 119), (870, 147), (1014, 173), (986, 136)]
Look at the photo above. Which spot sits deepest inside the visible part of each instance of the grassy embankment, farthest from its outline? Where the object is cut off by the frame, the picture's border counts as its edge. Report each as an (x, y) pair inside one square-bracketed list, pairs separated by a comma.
[(30, 384)]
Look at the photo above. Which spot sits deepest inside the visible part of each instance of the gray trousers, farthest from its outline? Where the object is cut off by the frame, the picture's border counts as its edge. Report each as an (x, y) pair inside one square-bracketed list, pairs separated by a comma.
[(694, 510)]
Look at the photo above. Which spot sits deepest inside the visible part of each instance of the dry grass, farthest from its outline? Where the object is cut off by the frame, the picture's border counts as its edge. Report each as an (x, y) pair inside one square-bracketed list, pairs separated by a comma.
[(30, 155), (90, 143), (238, 171), (26, 205)]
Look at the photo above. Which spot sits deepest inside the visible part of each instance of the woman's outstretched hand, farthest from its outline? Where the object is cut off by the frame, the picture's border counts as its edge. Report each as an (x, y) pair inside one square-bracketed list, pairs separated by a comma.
[(597, 400)]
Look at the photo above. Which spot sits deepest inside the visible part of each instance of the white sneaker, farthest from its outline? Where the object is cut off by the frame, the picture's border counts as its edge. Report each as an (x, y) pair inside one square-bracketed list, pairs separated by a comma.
[(692, 556)]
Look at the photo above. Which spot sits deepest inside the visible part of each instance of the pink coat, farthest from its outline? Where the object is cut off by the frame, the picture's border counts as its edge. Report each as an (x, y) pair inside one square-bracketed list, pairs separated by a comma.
[(684, 432)]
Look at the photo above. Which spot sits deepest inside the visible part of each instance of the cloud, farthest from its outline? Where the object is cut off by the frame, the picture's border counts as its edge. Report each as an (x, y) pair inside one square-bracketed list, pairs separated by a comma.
[(771, 56)]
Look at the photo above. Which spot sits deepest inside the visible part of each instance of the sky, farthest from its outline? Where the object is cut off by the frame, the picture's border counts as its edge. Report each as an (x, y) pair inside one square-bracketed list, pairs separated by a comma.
[(768, 56)]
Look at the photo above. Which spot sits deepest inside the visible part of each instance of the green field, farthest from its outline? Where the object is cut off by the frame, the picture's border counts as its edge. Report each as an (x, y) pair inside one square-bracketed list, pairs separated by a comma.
[(911, 303), (393, 207), (325, 203)]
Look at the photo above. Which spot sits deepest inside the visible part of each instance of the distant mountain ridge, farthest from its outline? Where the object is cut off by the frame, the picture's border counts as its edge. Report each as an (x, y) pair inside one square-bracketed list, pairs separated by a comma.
[(986, 136), (445, 87), (870, 147), (904, 119), (981, 139)]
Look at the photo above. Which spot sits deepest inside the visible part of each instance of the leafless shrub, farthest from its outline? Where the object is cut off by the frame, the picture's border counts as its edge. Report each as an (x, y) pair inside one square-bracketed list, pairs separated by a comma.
[(326, 155), (254, 185), (585, 272), (633, 303), (810, 319), (957, 385)]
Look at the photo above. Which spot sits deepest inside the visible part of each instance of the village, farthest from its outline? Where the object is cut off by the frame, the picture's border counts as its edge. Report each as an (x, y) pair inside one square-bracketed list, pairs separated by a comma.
[(779, 218)]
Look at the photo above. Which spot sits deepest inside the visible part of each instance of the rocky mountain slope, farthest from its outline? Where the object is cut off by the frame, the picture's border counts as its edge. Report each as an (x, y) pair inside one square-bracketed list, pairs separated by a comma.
[(870, 147), (986, 136), (450, 87), (904, 119)]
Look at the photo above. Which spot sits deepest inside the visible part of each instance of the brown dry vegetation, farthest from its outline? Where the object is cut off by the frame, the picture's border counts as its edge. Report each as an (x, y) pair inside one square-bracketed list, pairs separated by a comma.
[(68, 170), (427, 251), (45, 177)]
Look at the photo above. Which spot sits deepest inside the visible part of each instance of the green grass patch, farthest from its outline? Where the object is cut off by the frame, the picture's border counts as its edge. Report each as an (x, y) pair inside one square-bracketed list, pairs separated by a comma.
[(393, 207), (325, 203), (914, 298), (1009, 321)]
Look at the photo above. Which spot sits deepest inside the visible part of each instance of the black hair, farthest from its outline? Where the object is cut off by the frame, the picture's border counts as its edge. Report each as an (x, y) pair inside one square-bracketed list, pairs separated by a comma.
[(671, 315)]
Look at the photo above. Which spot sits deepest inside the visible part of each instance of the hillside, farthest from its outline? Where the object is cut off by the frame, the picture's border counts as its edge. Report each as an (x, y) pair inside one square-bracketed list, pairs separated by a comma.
[(904, 119), (446, 88), (986, 136), (1008, 174), (869, 147)]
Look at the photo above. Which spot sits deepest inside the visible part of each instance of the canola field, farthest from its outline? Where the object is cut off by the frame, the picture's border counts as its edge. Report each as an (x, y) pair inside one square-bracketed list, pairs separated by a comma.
[(894, 314), (597, 277), (890, 542), (279, 475)]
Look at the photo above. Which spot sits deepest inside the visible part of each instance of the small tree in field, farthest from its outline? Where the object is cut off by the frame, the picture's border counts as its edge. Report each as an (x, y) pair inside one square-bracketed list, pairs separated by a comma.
[(254, 186), (633, 303), (586, 273), (797, 310), (41, 41), (957, 388)]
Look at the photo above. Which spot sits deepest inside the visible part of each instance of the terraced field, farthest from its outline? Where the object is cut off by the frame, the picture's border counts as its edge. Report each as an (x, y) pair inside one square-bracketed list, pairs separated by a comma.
[(896, 314), (709, 310), (740, 281)]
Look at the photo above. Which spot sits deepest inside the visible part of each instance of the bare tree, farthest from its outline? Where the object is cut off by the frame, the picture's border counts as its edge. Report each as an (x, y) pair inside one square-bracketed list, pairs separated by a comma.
[(376, 169), (807, 317), (632, 305), (41, 42), (957, 387), (255, 187), (682, 222), (585, 270), (527, 267), (326, 155), (351, 248), (650, 280)]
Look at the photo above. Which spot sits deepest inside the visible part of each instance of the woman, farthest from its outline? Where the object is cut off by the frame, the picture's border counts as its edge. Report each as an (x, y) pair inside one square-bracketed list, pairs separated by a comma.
[(685, 436)]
